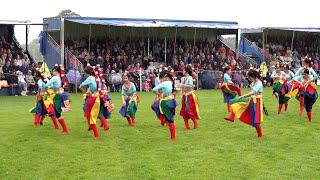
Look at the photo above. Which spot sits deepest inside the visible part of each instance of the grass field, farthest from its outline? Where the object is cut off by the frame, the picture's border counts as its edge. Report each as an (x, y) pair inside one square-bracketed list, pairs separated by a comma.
[(290, 148)]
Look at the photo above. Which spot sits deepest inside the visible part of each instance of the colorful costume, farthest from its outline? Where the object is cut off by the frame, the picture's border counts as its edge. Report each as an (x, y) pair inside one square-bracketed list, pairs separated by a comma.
[(132, 99), (280, 88), (92, 103), (308, 92), (249, 110), (297, 90), (39, 110), (229, 90), (189, 106), (287, 87), (55, 101), (167, 105), (156, 104), (106, 107)]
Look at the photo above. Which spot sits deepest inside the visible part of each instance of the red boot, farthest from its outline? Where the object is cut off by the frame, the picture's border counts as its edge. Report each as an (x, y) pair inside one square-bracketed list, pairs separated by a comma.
[(195, 123), (95, 130), (172, 129), (64, 126), (186, 123), (228, 107), (104, 123), (259, 131), (133, 122), (309, 116), (162, 119), (36, 120), (280, 108), (231, 117), (55, 122), (301, 101), (286, 107), (41, 120), (129, 121)]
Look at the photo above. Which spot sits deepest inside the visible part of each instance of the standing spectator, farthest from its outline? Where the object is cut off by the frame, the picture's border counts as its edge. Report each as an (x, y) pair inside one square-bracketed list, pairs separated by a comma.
[(22, 85), (31, 83), (147, 85), (2, 61)]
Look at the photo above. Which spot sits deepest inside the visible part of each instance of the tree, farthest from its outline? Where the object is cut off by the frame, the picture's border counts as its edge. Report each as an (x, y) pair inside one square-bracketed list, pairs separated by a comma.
[(33, 48), (67, 12)]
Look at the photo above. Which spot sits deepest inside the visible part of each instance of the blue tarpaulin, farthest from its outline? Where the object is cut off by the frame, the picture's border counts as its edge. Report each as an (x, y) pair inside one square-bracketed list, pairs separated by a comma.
[(154, 22), (42, 42)]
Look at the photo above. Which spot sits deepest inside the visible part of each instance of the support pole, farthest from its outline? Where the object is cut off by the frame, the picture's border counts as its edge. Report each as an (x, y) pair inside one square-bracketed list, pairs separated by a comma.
[(62, 41), (75, 77), (165, 50), (148, 43), (175, 41), (89, 39), (292, 40), (263, 44), (27, 29), (140, 75), (194, 37)]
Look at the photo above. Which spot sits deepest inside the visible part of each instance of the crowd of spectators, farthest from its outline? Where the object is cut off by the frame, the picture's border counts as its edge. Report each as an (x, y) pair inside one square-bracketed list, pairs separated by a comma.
[(117, 55), (131, 54), (16, 70), (281, 50)]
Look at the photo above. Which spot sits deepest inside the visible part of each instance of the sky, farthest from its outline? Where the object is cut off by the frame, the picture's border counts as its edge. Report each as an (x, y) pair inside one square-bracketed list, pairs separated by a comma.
[(248, 13)]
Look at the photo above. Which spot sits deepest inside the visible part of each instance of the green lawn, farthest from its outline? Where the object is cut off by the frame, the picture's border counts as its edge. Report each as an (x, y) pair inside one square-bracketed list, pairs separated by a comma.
[(290, 148)]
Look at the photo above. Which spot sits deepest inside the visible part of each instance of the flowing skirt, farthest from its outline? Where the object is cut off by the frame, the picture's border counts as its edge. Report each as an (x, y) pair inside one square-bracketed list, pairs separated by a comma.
[(130, 108), (168, 108), (310, 96), (230, 92), (281, 88), (248, 110), (106, 107), (92, 108), (55, 102), (189, 106)]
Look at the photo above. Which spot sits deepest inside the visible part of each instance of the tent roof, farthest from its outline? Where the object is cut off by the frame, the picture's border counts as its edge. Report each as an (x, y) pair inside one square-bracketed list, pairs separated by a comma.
[(260, 30), (153, 22), (14, 22)]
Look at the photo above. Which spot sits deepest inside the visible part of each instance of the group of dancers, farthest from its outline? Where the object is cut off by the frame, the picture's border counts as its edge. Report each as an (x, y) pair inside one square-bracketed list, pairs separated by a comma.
[(249, 108), (51, 100)]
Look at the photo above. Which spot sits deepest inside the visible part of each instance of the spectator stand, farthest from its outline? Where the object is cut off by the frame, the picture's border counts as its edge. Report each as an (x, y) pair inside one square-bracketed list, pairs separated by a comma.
[(270, 43), (13, 58), (124, 42)]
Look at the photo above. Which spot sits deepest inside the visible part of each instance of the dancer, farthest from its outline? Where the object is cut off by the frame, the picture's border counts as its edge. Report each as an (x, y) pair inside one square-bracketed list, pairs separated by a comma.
[(130, 100), (39, 110), (92, 98), (308, 91), (156, 103), (287, 85), (190, 107), (167, 103), (307, 64), (248, 108), (56, 99), (279, 84), (106, 105), (229, 90)]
